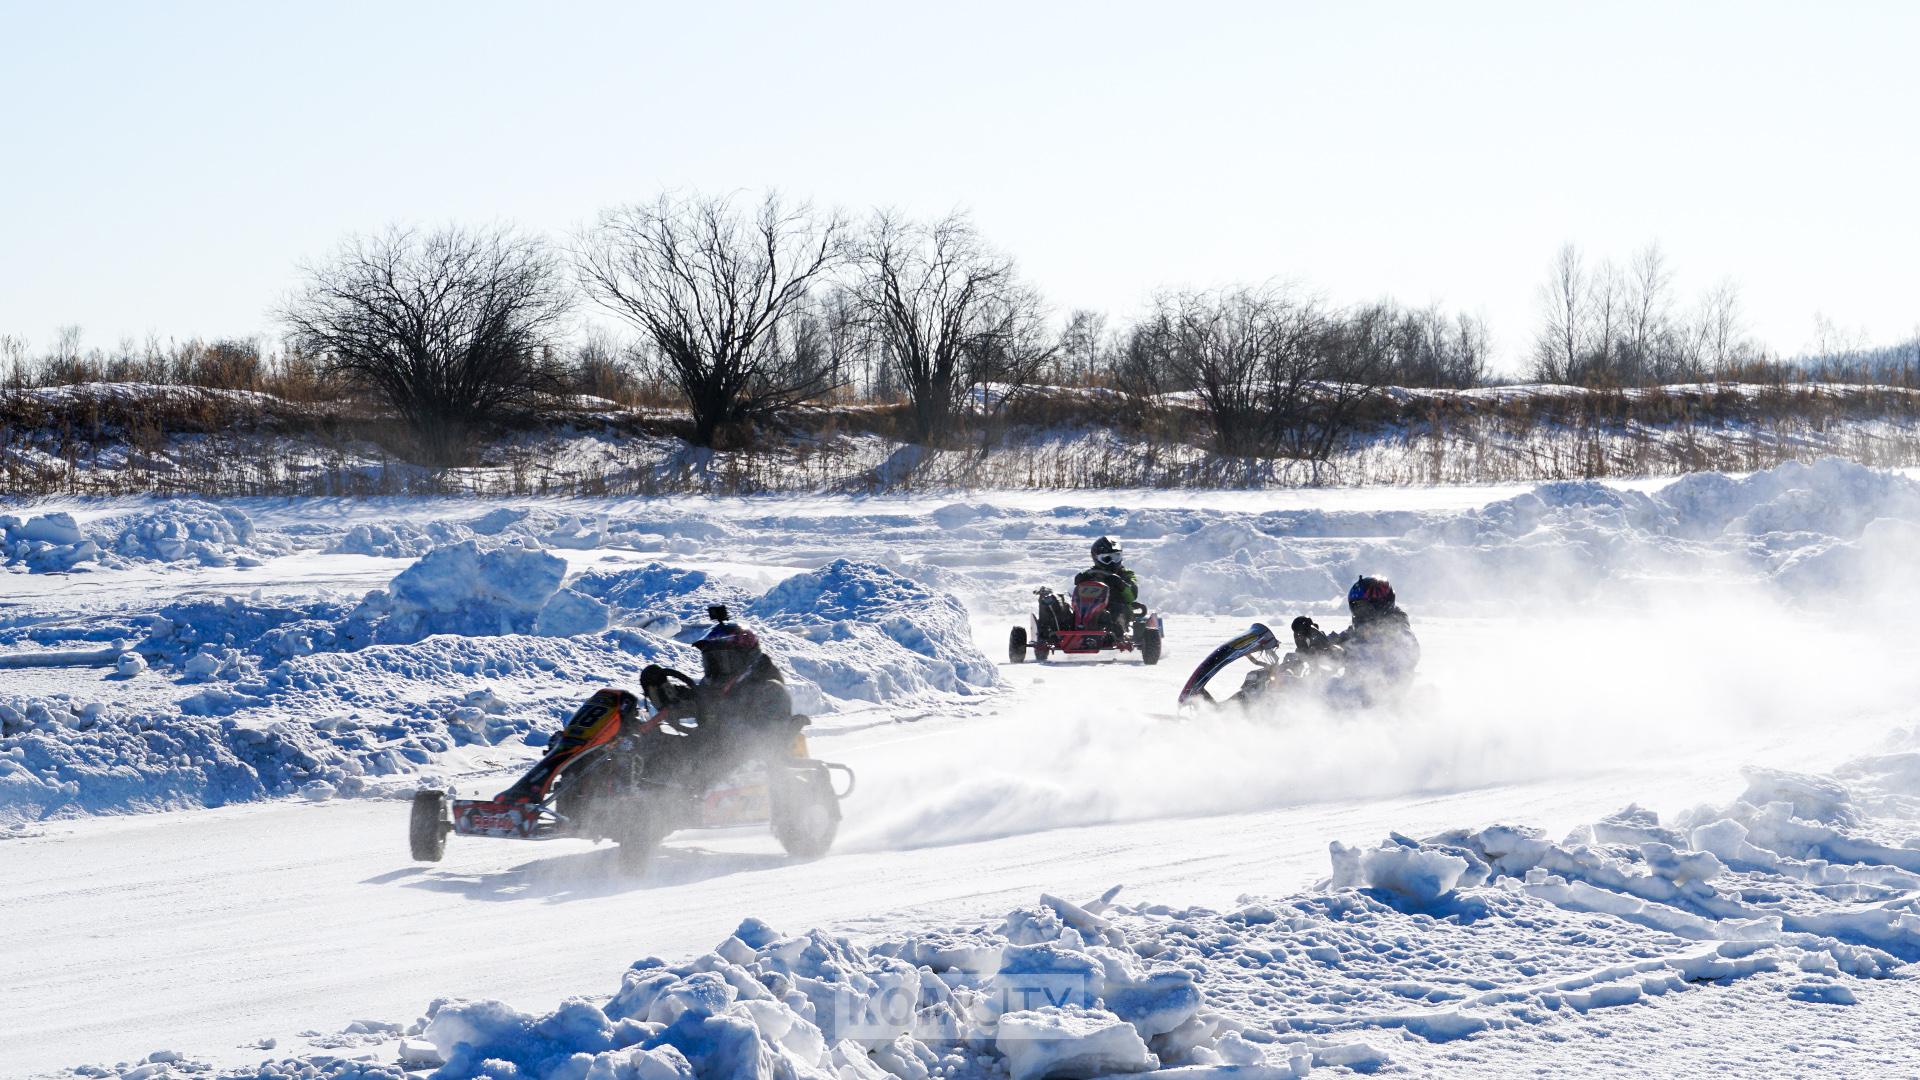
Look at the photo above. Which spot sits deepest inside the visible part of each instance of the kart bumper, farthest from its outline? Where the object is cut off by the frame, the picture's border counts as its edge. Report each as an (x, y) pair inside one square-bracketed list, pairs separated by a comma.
[(493, 817)]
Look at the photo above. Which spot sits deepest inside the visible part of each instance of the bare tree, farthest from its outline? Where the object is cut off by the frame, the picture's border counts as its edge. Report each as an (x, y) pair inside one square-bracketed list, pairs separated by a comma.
[(949, 314), (13, 360), (1561, 343), (1721, 330), (1083, 343), (1607, 308), (1650, 308), (451, 328), (1442, 351), (714, 289), (1275, 374)]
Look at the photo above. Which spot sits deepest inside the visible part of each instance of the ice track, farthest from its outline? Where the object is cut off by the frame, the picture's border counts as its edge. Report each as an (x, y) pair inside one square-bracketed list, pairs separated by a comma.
[(1660, 648)]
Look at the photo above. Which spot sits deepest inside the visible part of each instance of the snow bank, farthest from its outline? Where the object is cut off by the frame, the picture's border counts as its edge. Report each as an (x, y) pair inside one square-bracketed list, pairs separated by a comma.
[(187, 532), (1831, 528), (1056, 990), (59, 757), (48, 543), (398, 540), (864, 632), (271, 696), (661, 598), (462, 589)]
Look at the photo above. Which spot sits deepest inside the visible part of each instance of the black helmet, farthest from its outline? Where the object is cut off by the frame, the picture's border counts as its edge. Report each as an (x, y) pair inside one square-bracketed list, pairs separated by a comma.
[(1106, 552), (1370, 596), (728, 649)]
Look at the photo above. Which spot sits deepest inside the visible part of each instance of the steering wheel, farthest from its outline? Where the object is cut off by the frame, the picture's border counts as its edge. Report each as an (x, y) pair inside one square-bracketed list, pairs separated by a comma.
[(667, 675)]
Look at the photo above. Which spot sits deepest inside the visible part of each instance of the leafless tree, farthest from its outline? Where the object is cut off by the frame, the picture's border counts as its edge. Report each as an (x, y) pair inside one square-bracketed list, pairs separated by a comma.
[(1607, 308), (1650, 313), (1721, 330), (714, 289), (452, 329), (1273, 371), (1443, 351), (1083, 347), (1561, 342), (949, 314)]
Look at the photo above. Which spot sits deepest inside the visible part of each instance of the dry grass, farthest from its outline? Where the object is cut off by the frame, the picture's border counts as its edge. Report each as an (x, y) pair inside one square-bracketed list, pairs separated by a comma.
[(178, 440)]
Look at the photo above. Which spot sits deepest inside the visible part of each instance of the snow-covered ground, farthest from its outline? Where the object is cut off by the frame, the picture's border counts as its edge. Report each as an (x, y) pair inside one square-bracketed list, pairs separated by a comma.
[(1653, 807)]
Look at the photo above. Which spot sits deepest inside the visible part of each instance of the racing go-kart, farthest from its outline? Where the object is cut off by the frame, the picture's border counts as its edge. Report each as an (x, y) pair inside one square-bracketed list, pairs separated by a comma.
[(1085, 628), (1271, 672), (594, 783)]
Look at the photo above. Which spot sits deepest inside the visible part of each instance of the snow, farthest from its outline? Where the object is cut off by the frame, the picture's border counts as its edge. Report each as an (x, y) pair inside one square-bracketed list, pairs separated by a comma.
[(204, 729), (184, 531)]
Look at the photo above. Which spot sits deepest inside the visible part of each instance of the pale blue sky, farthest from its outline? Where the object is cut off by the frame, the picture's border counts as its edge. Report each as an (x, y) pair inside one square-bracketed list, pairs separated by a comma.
[(163, 166)]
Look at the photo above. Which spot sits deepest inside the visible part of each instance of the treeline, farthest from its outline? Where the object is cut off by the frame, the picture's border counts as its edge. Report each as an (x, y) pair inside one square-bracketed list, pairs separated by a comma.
[(1605, 325), (736, 310)]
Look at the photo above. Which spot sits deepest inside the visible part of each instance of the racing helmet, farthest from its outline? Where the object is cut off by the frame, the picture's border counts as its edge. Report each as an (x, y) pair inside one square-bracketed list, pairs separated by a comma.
[(1106, 552), (1369, 597), (727, 650)]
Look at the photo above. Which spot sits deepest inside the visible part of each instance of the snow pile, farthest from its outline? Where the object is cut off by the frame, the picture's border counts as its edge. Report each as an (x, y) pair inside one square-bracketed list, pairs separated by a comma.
[(188, 531), (278, 696), (397, 540), (185, 531), (1830, 497), (1829, 528), (462, 589), (1231, 568), (1056, 990), (662, 599), (61, 757), (861, 631), (1880, 566), (514, 526), (48, 543)]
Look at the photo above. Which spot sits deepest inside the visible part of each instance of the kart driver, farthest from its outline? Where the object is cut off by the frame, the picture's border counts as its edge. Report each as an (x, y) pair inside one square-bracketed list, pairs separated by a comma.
[(740, 706), (1378, 652), (1123, 586)]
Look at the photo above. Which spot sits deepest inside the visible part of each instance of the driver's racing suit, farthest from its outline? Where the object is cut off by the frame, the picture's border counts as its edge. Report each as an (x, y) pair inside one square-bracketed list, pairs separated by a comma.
[(747, 717)]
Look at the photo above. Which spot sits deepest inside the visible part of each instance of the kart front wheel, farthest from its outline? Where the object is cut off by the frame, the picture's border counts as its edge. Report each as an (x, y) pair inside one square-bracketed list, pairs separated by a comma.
[(1017, 645), (1147, 639), (428, 826), (806, 814)]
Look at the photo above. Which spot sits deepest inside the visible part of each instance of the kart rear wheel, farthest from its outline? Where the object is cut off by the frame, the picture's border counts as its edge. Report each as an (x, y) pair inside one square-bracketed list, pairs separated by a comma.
[(428, 826), (1147, 640), (638, 840), (1017, 645), (806, 814)]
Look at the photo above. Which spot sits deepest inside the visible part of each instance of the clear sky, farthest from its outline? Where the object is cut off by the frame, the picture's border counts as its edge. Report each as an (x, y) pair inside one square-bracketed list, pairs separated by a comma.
[(163, 166)]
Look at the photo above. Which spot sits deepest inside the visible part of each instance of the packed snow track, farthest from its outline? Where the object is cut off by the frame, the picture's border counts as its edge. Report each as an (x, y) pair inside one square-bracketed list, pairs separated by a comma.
[(1687, 691)]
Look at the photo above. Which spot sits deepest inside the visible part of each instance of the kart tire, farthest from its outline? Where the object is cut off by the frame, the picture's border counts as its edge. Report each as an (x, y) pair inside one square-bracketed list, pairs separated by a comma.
[(1017, 645), (1147, 640), (637, 842), (806, 815), (428, 826)]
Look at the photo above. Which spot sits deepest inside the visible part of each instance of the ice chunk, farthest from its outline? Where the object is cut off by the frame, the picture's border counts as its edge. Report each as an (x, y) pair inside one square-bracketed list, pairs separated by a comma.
[(1070, 1042), (59, 529), (569, 614)]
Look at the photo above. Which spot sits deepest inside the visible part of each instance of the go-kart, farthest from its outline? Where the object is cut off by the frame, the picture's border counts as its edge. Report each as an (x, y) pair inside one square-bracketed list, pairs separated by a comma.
[(1085, 628), (594, 783), (1271, 671)]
